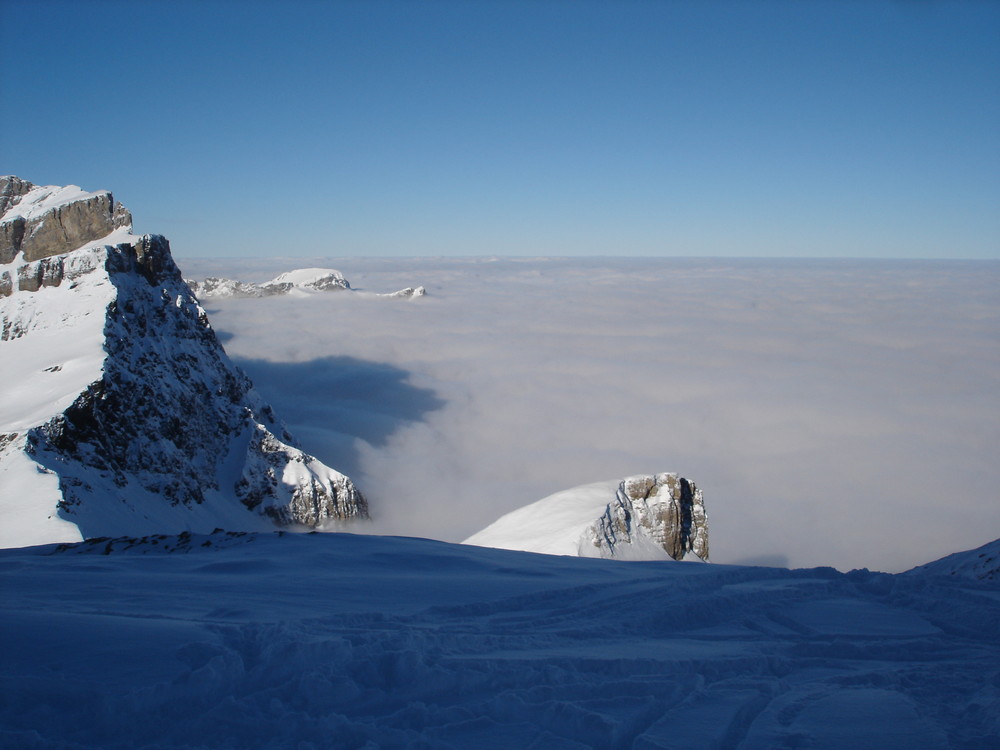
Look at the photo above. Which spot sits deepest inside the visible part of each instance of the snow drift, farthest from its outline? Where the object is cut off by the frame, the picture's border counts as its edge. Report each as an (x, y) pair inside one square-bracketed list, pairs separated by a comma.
[(338, 641)]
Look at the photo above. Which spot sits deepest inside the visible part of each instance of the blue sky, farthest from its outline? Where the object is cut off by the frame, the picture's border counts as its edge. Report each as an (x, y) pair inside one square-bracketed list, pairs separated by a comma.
[(305, 128)]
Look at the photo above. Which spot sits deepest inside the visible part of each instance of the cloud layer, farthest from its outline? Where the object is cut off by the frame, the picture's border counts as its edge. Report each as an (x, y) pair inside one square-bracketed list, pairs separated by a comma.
[(840, 413)]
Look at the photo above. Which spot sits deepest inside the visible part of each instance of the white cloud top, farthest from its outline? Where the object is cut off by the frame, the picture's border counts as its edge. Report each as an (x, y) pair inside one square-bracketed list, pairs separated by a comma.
[(833, 412)]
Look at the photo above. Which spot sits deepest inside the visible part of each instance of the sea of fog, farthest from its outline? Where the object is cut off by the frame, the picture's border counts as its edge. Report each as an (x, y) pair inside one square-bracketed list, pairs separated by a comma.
[(842, 413)]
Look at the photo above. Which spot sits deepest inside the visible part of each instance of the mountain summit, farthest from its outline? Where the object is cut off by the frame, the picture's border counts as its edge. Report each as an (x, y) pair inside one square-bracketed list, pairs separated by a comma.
[(642, 517), (120, 412)]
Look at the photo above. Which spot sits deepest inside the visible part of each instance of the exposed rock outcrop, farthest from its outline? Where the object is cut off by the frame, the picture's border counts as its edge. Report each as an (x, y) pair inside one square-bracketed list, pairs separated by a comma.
[(643, 517), (39, 222), (665, 508), (11, 190), (141, 421)]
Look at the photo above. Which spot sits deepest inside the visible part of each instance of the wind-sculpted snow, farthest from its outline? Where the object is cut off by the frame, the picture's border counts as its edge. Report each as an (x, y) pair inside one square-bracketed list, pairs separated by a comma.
[(340, 641)]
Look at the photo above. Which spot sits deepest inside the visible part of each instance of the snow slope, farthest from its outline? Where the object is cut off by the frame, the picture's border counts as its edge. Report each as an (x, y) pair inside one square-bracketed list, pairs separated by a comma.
[(341, 641), (981, 564), (554, 525)]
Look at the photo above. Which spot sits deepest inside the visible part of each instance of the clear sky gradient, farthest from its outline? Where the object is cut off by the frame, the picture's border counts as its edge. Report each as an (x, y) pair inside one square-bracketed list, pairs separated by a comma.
[(307, 128)]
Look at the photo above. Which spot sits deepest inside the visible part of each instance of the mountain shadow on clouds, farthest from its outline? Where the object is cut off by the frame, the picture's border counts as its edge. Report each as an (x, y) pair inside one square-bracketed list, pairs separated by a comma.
[(328, 402), (775, 560)]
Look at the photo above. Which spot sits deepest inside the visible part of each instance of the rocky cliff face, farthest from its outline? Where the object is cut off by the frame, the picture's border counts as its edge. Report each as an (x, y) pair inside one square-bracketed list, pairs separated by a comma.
[(122, 412), (39, 222), (664, 508)]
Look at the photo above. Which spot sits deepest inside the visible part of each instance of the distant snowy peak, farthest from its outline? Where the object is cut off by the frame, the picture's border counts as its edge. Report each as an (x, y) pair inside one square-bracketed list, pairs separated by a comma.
[(320, 279), (302, 281), (215, 286), (982, 564), (642, 517), (408, 293), (121, 414)]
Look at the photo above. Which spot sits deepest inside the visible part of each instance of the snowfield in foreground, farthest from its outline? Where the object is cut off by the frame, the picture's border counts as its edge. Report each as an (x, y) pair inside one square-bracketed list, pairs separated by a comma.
[(340, 641)]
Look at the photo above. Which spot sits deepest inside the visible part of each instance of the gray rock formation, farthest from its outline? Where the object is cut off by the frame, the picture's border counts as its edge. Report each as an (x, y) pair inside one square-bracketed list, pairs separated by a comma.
[(215, 286), (11, 190), (39, 231), (665, 508), (306, 496)]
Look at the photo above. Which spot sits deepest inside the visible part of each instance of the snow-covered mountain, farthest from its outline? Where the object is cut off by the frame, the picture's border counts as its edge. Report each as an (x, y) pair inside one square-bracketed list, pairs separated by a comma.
[(981, 564), (301, 281), (121, 416), (339, 642), (120, 412), (643, 517)]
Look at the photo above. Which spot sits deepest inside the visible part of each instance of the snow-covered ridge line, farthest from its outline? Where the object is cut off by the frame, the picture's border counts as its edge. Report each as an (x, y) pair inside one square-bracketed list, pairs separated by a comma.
[(980, 564), (642, 517), (299, 281), (121, 412)]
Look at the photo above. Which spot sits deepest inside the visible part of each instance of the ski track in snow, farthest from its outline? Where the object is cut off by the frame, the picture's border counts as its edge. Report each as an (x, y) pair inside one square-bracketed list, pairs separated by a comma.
[(342, 641)]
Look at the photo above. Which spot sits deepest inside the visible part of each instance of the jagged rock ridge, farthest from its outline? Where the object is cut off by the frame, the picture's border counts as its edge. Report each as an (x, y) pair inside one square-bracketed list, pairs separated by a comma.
[(642, 517), (139, 423)]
